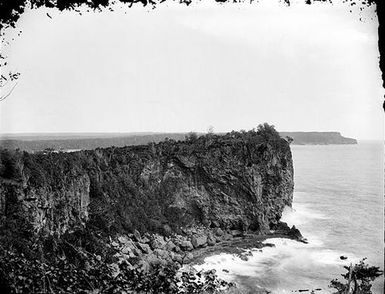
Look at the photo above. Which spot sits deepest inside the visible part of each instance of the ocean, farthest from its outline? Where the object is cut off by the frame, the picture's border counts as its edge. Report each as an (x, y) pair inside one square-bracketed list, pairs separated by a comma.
[(338, 207)]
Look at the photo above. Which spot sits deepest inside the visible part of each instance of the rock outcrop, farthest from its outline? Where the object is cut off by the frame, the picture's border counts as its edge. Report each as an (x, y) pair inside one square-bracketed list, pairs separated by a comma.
[(238, 181)]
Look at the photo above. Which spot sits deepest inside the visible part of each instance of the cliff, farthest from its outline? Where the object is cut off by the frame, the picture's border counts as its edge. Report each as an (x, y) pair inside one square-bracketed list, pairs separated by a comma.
[(237, 181), (318, 138)]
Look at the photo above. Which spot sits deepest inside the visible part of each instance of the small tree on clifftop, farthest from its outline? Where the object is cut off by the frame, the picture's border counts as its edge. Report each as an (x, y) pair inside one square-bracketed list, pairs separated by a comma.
[(267, 131)]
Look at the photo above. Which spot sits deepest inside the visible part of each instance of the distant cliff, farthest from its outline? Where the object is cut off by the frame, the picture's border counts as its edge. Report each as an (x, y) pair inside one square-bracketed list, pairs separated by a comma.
[(39, 142), (234, 181), (318, 138)]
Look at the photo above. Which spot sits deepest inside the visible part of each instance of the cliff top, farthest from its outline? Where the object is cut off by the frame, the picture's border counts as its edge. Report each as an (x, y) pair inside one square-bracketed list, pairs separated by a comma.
[(84, 141)]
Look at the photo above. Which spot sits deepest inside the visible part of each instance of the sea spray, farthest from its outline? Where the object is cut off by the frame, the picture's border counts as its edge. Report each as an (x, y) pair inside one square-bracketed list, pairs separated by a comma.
[(287, 266)]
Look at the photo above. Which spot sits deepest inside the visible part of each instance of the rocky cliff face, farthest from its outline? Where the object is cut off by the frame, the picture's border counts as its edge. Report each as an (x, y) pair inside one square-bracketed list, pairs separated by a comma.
[(236, 181)]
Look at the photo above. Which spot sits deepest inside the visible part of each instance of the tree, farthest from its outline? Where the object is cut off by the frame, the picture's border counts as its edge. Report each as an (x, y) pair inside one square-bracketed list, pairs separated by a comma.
[(267, 131), (8, 82), (191, 137), (359, 278)]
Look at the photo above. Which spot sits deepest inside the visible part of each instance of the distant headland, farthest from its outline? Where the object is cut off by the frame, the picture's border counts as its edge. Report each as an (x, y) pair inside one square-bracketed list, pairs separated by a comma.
[(77, 141), (318, 138)]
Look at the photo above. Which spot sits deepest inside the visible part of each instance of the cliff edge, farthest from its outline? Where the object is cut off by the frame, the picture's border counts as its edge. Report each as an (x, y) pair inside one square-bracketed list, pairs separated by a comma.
[(237, 181)]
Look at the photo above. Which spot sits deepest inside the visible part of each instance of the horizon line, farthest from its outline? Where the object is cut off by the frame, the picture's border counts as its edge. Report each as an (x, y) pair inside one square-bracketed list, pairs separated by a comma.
[(59, 134)]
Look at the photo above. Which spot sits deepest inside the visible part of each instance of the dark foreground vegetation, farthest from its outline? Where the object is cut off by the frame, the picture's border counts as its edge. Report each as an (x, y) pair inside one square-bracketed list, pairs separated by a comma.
[(358, 279), (65, 266)]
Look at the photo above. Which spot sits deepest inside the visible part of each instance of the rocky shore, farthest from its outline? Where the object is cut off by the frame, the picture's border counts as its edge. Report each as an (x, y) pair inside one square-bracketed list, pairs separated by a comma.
[(192, 247)]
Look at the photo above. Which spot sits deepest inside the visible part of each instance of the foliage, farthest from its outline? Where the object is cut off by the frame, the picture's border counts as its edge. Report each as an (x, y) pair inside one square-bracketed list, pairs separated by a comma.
[(63, 266), (191, 137), (267, 131), (10, 165), (11, 10), (359, 279)]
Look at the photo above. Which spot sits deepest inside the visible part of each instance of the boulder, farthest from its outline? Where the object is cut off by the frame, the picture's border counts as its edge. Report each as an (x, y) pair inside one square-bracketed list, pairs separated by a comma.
[(121, 257), (123, 239), (162, 254), (176, 257), (236, 233), (211, 240), (281, 227), (115, 270), (170, 246), (214, 224), (177, 249), (144, 266), (151, 258), (186, 245), (146, 238), (137, 236), (227, 236), (206, 222), (157, 242), (243, 257), (188, 257), (127, 250), (199, 241), (145, 248), (295, 233), (218, 232)]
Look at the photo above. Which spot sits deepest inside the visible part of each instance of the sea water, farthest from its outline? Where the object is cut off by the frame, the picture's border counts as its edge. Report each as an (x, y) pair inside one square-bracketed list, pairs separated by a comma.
[(338, 207)]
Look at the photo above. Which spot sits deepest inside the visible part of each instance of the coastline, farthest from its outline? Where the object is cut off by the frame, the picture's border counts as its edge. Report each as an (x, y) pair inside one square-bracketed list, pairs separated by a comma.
[(239, 246)]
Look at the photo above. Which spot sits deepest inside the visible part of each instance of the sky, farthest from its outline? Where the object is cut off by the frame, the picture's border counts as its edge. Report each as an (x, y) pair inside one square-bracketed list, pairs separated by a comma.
[(181, 69)]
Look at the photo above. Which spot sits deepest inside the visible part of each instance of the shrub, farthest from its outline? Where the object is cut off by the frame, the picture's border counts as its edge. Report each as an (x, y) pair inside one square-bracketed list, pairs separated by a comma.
[(359, 278)]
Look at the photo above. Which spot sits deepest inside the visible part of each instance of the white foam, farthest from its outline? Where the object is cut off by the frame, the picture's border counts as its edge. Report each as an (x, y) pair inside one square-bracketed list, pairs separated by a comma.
[(290, 264), (300, 214), (285, 263)]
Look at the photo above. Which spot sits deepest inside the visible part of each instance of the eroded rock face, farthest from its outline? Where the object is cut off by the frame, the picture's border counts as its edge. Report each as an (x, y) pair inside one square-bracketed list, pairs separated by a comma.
[(239, 181), (48, 210)]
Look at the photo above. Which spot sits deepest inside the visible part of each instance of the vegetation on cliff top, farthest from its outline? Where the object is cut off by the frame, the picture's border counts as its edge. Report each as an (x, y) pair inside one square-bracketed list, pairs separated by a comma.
[(122, 175), (73, 142)]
